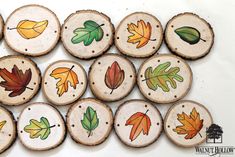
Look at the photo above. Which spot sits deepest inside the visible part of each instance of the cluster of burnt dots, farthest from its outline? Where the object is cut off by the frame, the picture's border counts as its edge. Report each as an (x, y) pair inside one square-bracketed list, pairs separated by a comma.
[(87, 34)]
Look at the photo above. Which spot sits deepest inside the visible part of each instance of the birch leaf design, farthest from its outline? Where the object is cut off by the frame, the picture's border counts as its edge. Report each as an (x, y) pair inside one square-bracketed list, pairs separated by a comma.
[(189, 34), (2, 123), (160, 76), (90, 120)]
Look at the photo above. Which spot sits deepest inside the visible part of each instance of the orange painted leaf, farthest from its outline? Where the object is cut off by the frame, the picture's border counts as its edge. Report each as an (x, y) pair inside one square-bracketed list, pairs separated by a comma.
[(114, 76), (15, 81), (191, 124), (65, 76), (141, 123), (141, 33)]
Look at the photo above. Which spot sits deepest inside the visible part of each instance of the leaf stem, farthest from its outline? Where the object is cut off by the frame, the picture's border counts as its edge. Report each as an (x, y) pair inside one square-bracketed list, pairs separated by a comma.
[(52, 126), (89, 133), (203, 39), (71, 68), (101, 25), (29, 88), (111, 91), (200, 134), (146, 111)]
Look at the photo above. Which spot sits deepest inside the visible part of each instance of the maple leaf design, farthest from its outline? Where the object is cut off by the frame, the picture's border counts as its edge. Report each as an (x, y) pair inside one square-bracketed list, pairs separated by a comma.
[(141, 33), (191, 125), (65, 76), (114, 76), (141, 123), (16, 81)]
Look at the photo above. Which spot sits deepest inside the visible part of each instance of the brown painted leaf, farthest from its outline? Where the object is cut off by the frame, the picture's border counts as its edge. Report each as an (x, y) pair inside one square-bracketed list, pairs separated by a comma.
[(114, 76), (191, 125), (141, 123), (15, 81)]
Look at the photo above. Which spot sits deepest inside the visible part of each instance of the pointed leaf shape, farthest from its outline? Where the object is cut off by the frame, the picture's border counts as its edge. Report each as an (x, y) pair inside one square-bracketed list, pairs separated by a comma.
[(141, 33), (2, 123), (87, 34), (141, 123), (188, 34), (40, 129), (16, 81), (114, 76), (31, 29), (160, 76), (65, 76), (191, 124), (90, 120)]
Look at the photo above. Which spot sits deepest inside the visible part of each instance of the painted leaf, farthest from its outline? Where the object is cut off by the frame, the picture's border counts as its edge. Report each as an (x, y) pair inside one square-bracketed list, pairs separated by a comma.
[(160, 76), (31, 29), (90, 120), (191, 124), (40, 129), (15, 81), (65, 76), (114, 76), (2, 123), (189, 34), (141, 33), (140, 123), (91, 31)]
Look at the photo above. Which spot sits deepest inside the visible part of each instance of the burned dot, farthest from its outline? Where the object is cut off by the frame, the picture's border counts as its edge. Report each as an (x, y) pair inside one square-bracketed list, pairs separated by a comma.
[(178, 61), (9, 134), (58, 125), (99, 63), (55, 31), (149, 93), (157, 26), (73, 125), (23, 98), (81, 82), (157, 123), (172, 26), (65, 27), (145, 105), (29, 109), (107, 35), (34, 83), (182, 106), (73, 95), (117, 37), (93, 51), (176, 49), (80, 106), (93, 82), (168, 126), (158, 60), (175, 96), (141, 75), (21, 131), (118, 124), (22, 62), (130, 75), (154, 47), (26, 49), (107, 122), (45, 82)]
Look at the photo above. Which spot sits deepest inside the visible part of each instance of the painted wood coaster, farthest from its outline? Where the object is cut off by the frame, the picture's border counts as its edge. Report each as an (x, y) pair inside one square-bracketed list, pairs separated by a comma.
[(20, 80), (41, 127), (7, 129), (89, 122), (64, 82), (138, 123), (164, 78), (32, 30), (186, 122), (189, 36), (139, 35), (112, 77), (1, 26), (87, 34)]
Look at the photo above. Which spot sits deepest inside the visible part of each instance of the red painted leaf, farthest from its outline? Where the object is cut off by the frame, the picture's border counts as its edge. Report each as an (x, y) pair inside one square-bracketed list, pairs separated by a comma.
[(114, 76), (15, 81)]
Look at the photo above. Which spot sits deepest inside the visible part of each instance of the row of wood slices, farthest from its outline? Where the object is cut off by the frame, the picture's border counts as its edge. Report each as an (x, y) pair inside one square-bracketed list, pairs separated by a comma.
[(87, 34)]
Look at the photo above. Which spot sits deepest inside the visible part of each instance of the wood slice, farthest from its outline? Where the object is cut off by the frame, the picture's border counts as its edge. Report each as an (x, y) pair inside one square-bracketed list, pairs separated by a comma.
[(189, 36), (112, 77), (139, 35), (1, 26), (32, 30), (138, 123), (20, 80), (64, 82), (164, 78), (87, 34), (179, 121), (41, 127), (89, 122), (7, 129)]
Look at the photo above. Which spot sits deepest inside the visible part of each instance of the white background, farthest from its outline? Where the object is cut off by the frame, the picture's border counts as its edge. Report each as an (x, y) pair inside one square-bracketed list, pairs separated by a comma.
[(214, 75)]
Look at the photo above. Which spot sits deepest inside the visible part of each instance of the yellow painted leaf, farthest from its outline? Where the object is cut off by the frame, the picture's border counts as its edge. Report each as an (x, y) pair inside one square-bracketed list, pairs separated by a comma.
[(141, 33), (31, 29), (191, 124), (2, 123), (65, 76)]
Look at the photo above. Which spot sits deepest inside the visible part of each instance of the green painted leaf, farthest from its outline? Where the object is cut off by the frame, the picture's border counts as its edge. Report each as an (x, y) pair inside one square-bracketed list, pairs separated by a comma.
[(160, 77), (189, 34), (90, 120), (40, 129), (87, 34)]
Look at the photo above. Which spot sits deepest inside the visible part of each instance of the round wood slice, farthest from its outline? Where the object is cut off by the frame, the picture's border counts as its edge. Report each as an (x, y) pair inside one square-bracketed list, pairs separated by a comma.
[(7, 129), (186, 122), (164, 78), (1, 26), (32, 30), (139, 35), (20, 80), (41, 127), (64, 82), (112, 77), (189, 36), (89, 122), (87, 34), (138, 123)]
